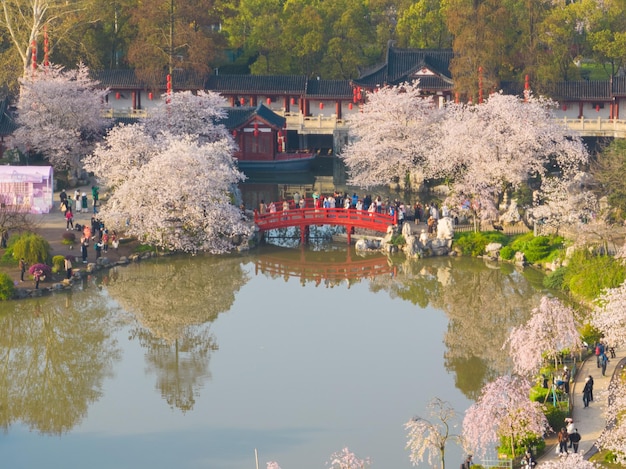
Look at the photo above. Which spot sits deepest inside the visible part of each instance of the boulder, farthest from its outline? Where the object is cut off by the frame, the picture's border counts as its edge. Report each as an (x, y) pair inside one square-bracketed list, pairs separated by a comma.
[(445, 228)]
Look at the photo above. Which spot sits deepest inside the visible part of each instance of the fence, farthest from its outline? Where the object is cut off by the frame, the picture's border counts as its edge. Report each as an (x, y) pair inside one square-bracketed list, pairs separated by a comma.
[(507, 230), (497, 463)]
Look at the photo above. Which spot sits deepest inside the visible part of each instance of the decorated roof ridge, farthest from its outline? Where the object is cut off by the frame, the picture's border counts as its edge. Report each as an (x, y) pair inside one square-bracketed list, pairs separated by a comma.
[(127, 78), (238, 116), (269, 84)]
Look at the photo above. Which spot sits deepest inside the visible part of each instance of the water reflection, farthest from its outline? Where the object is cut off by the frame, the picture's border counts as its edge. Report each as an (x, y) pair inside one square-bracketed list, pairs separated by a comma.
[(171, 299), (55, 354), (57, 351)]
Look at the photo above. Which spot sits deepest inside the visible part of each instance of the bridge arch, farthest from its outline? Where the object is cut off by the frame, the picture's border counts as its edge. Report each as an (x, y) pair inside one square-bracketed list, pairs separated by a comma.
[(303, 218)]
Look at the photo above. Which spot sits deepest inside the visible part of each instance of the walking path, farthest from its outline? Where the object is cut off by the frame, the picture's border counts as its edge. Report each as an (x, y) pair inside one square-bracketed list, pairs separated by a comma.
[(590, 421)]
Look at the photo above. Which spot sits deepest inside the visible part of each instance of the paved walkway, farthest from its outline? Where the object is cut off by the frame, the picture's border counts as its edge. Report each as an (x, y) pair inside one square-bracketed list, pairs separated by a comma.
[(590, 421)]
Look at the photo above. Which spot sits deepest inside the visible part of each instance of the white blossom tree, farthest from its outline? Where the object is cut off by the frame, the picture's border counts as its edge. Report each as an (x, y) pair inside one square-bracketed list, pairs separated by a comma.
[(392, 136), (346, 459), (125, 149), (184, 112), (550, 330), (505, 410), (565, 202), (181, 199), (613, 438), (609, 315), (498, 145), (60, 114), (425, 436)]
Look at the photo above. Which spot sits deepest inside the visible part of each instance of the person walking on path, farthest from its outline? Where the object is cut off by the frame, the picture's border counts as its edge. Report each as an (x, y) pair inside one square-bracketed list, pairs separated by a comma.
[(563, 439), (22, 266), (591, 388), (574, 439), (69, 219), (587, 392), (68, 268), (604, 361), (38, 276)]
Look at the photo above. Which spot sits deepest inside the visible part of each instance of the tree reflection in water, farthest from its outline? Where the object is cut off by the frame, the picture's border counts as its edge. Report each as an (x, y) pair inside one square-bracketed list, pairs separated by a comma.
[(173, 301), (54, 360), (482, 305)]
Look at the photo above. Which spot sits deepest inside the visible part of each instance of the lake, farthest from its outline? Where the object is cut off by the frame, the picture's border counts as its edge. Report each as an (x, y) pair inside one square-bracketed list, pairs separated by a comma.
[(195, 362)]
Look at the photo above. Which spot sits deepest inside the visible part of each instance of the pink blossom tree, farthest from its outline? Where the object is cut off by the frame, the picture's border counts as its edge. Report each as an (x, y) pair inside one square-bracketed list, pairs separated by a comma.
[(180, 199), (425, 436), (503, 410), (60, 114), (609, 315), (346, 459), (184, 112), (392, 136), (550, 329), (613, 438), (272, 465)]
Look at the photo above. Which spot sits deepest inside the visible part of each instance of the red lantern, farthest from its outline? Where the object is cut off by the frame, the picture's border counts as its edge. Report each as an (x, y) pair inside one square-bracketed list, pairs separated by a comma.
[(150, 96), (118, 96), (242, 101), (234, 133), (280, 133), (256, 132), (564, 107), (293, 101), (268, 101), (280, 147), (597, 108), (321, 105), (350, 106)]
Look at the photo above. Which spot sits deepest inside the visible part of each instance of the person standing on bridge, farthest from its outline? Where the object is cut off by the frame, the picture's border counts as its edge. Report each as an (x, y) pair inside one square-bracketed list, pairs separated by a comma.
[(262, 207), (296, 199)]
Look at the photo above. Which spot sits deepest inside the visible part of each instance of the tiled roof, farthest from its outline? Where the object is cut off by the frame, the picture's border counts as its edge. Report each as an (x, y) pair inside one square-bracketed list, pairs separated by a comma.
[(239, 115), (577, 90), (402, 63), (261, 84), (127, 79), (329, 89)]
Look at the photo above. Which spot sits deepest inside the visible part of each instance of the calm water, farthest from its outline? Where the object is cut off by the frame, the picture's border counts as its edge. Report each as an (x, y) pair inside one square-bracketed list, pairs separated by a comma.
[(195, 362)]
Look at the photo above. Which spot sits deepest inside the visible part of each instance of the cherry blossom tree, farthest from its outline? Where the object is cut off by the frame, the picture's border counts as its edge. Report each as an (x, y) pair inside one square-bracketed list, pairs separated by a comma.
[(60, 114), (425, 436), (272, 465), (572, 461), (184, 112), (503, 410), (613, 438), (609, 315), (181, 198), (346, 459), (392, 136), (565, 202), (550, 329), (126, 148)]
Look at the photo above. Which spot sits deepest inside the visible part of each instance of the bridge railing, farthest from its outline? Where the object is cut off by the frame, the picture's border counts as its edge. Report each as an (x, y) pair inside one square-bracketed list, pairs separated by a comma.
[(324, 216)]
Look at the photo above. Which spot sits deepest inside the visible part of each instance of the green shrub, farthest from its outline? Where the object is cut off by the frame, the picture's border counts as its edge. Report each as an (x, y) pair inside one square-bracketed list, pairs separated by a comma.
[(398, 240), (555, 279), (556, 417), (32, 247), (538, 248), (507, 253), (58, 264), (69, 238), (7, 288), (473, 244), (521, 445), (587, 275)]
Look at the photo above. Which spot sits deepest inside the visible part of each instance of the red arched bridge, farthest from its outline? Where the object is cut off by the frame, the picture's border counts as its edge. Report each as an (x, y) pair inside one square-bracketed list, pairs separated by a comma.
[(305, 217)]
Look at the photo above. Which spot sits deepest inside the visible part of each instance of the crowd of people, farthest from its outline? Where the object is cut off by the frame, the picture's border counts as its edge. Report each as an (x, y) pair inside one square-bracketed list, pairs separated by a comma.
[(428, 213)]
